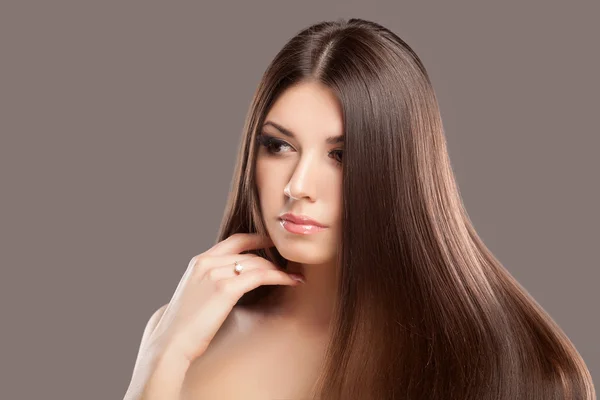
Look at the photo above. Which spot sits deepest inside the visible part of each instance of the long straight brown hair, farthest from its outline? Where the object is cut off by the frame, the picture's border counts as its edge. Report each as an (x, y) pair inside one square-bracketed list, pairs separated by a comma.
[(425, 310)]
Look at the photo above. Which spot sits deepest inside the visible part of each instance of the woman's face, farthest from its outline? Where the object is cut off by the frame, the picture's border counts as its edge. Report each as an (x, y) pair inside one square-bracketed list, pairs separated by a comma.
[(301, 172)]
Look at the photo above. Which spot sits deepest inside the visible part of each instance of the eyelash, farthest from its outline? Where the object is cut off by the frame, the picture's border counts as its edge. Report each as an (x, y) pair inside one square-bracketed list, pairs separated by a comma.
[(268, 140)]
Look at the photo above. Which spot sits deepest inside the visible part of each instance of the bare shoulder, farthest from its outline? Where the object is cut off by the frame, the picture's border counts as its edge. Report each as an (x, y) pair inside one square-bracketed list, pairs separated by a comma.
[(149, 328), (151, 324), (155, 317)]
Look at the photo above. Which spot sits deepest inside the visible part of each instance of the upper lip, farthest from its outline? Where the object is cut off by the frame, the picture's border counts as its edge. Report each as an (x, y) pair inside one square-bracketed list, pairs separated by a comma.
[(300, 219)]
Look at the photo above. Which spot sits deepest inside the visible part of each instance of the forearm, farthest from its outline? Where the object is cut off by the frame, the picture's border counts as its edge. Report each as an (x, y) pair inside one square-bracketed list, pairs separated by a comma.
[(158, 379)]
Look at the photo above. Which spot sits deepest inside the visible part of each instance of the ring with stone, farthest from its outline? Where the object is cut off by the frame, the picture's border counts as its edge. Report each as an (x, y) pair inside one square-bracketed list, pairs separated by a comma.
[(238, 268)]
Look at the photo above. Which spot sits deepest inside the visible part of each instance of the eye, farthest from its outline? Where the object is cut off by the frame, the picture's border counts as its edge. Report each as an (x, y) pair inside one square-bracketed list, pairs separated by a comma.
[(270, 143), (274, 146), (340, 153)]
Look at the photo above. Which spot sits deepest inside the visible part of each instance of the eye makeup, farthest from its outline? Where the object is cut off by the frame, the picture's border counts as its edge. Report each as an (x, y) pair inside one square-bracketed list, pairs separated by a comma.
[(273, 146)]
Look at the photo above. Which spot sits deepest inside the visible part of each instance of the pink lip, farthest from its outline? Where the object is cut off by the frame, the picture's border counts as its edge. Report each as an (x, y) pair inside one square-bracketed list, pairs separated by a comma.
[(300, 220), (300, 229)]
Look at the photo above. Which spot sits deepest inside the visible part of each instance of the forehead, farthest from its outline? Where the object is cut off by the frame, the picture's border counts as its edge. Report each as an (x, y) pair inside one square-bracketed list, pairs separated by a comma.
[(308, 109)]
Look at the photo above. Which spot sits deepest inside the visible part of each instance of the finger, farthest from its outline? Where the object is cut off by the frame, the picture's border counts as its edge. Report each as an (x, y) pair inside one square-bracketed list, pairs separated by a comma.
[(205, 262), (208, 262), (238, 285), (202, 263), (239, 242), (227, 270)]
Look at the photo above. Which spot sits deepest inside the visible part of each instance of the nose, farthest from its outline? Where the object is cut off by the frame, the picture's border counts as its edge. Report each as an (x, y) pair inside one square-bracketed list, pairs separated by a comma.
[(303, 182)]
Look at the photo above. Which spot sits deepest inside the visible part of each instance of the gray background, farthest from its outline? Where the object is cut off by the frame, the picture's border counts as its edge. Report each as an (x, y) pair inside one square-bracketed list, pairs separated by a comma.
[(120, 123)]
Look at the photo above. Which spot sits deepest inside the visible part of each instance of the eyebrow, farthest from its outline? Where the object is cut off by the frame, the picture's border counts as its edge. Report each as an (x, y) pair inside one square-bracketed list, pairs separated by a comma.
[(287, 132)]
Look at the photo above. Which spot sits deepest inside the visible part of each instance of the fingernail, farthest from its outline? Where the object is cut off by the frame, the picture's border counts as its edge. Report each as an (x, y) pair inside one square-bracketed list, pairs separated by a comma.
[(297, 277)]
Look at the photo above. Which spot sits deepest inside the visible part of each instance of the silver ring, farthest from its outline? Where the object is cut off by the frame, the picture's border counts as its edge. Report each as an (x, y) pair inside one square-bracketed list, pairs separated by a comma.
[(238, 268)]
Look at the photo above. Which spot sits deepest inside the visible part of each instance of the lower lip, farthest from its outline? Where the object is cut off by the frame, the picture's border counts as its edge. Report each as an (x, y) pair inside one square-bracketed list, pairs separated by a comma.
[(300, 229)]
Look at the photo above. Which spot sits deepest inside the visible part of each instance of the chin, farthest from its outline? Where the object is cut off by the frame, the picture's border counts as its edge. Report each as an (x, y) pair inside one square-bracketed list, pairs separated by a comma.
[(305, 253), (318, 248)]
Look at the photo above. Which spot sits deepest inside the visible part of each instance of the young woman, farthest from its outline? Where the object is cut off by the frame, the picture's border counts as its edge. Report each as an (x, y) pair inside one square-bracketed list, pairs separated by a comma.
[(343, 181)]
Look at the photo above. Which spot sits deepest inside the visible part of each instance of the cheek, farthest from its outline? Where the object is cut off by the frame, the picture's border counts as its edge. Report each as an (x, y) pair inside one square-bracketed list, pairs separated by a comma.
[(335, 194), (267, 184), (260, 175)]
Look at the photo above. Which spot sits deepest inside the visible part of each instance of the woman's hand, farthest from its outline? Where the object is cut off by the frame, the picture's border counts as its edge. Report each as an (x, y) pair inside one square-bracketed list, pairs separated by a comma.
[(202, 301), (208, 291)]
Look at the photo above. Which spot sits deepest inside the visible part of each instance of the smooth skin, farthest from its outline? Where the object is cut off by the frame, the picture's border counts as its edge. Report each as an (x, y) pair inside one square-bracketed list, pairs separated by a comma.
[(201, 347), (180, 331)]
